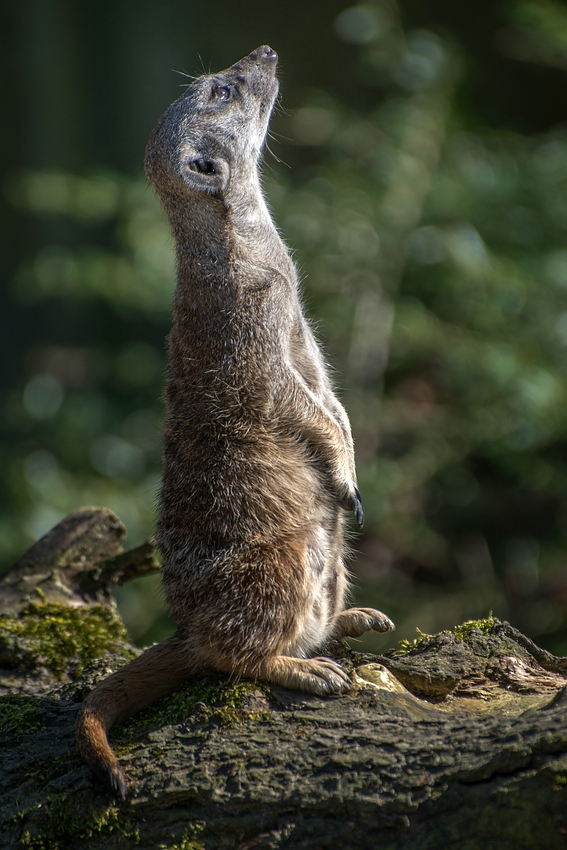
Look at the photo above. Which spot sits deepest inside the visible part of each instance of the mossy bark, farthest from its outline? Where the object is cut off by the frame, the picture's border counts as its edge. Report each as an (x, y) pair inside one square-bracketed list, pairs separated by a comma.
[(457, 741)]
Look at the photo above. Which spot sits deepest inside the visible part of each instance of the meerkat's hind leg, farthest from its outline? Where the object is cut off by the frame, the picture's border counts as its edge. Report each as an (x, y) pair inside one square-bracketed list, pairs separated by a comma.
[(354, 622), (319, 676)]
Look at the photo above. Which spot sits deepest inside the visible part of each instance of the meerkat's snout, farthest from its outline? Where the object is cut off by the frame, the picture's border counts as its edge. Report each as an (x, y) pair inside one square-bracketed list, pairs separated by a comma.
[(265, 52)]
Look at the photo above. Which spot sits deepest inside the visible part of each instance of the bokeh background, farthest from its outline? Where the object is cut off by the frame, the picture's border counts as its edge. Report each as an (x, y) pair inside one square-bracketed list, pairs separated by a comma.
[(418, 167)]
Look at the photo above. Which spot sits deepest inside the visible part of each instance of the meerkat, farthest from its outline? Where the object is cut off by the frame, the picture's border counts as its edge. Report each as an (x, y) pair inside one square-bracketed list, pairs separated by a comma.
[(258, 459)]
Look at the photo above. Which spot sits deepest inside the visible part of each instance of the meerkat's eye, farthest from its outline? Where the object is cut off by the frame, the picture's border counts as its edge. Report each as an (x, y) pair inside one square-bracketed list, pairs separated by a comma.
[(223, 93)]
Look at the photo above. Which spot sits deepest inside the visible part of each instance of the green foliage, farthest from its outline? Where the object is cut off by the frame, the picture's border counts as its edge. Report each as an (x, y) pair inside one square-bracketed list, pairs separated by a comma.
[(542, 33), (89, 414), (58, 637), (456, 357), (433, 254)]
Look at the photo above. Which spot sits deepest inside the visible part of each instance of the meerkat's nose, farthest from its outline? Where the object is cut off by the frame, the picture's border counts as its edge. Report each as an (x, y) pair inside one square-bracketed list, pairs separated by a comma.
[(263, 52)]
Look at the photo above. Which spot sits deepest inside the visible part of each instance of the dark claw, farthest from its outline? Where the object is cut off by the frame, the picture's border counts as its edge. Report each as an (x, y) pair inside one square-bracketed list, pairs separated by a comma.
[(383, 625), (353, 503), (357, 509)]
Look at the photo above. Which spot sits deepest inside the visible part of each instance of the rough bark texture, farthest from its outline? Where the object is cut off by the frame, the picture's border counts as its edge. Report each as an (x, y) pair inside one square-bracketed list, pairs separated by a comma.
[(458, 741)]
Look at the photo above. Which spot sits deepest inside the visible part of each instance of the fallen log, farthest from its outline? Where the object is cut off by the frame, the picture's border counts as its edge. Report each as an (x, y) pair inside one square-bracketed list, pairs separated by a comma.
[(456, 740)]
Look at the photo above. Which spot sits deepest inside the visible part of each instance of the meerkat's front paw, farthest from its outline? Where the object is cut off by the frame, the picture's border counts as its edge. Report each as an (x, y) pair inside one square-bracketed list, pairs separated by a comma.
[(357, 508), (354, 622), (352, 502)]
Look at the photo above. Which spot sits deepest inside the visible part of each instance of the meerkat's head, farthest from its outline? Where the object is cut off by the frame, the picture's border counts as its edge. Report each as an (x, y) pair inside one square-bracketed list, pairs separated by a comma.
[(214, 133)]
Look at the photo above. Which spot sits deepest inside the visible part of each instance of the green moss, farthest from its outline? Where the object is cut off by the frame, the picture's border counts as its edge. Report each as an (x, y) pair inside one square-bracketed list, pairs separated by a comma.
[(485, 626), (44, 770), (406, 646), (560, 782), (463, 632), (19, 715), (187, 841), (66, 816), (184, 844), (217, 697), (55, 637)]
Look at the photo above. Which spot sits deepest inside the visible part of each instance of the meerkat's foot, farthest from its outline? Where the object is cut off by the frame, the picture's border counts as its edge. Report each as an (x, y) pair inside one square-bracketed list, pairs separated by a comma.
[(319, 676), (355, 621)]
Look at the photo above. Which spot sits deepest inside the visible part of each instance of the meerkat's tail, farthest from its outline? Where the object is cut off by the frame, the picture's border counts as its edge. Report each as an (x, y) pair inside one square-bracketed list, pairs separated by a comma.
[(156, 672)]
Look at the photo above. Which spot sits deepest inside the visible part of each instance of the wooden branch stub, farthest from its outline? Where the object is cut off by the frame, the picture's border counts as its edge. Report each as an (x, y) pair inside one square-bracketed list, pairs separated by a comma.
[(76, 563), (57, 615), (137, 562)]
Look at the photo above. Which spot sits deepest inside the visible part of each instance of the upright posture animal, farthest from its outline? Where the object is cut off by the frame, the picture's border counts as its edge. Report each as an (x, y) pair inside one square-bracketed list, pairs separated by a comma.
[(258, 453)]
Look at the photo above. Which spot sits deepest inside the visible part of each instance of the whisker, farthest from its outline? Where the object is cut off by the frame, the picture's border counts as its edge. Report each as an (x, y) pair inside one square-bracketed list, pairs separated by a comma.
[(269, 167), (281, 110), (202, 63), (277, 159), (183, 74), (277, 136)]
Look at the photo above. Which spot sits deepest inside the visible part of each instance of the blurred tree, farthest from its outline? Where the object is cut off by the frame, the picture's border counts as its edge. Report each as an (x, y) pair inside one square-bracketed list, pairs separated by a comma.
[(427, 201)]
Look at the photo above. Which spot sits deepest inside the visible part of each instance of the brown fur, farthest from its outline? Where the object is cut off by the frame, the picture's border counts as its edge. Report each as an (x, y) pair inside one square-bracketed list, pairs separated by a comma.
[(258, 454)]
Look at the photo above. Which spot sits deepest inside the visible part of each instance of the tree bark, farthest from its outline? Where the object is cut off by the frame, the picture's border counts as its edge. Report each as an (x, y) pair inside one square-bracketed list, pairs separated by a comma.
[(457, 741)]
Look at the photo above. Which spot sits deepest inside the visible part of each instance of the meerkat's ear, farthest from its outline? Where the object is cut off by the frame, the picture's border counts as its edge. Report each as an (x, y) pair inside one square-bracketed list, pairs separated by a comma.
[(206, 174)]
